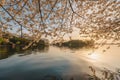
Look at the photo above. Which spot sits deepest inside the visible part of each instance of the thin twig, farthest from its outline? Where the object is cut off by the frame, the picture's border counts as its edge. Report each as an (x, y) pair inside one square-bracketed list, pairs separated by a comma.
[(52, 8), (10, 14), (40, 11), (14, 3), (74, 11), (22, 7)]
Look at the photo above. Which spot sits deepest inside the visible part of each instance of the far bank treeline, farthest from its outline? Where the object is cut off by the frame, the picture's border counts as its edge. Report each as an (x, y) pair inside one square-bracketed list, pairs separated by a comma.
[(13, 41), (76, 43)]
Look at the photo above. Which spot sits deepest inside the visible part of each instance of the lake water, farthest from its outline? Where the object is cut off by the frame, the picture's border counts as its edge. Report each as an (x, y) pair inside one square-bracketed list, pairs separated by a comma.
[(53, 63)]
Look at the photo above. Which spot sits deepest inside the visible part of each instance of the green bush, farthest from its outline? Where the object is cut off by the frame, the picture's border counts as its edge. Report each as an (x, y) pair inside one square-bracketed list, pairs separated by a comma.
[(1, 40), (19, 41)]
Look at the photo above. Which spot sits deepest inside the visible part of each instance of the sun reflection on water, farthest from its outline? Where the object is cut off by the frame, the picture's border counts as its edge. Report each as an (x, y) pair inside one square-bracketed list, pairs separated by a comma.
[(94, 56)]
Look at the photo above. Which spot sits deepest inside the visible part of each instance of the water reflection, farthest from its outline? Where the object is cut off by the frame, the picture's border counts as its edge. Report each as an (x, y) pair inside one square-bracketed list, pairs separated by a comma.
[(58, 64), (94, 56), (34, 51), (7, 51), (109, 59), (54, 65)]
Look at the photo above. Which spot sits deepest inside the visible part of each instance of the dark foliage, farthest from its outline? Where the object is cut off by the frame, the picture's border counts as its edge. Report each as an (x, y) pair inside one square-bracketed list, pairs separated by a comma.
[(76, 43)]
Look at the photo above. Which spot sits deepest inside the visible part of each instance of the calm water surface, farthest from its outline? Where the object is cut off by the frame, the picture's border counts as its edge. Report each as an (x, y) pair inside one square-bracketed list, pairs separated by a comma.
[(56, 63)]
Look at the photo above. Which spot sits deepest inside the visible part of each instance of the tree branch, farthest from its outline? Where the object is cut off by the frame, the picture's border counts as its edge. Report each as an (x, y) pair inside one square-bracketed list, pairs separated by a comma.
[(74, 11), (40, 11)]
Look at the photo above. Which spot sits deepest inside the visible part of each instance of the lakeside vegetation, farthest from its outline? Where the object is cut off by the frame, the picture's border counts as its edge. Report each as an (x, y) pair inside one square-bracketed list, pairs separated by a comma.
[(10, 44), (17, 43)]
